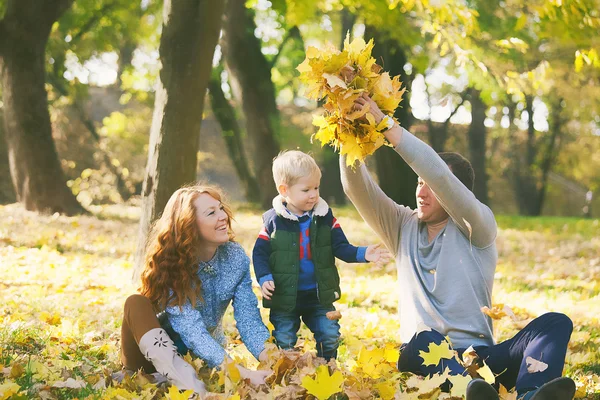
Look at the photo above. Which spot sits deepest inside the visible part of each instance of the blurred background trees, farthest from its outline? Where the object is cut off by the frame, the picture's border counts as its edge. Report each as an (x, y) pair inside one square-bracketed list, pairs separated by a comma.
[(512, 85)]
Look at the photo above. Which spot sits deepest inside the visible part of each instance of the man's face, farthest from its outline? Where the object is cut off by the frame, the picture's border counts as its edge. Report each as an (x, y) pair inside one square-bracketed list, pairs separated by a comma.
[(429, 209)]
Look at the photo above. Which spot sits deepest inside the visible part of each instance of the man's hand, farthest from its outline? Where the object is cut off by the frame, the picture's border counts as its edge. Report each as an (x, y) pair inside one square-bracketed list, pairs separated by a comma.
[(363, 100), (267, 289), (394, 134), (378, 255)]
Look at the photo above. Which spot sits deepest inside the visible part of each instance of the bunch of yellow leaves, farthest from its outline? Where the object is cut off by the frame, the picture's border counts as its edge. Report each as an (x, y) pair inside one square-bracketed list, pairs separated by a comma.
[(342, 77)]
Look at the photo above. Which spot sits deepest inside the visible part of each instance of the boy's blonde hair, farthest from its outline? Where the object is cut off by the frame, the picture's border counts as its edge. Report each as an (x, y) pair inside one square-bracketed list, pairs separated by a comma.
[(289, 166)]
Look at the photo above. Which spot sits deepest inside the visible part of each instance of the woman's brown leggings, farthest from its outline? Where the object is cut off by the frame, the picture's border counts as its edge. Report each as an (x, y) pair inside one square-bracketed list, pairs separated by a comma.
[(138, 318)]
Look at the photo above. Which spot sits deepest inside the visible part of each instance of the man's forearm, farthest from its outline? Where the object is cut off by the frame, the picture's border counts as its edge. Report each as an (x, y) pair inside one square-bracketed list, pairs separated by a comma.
[(394, 135)]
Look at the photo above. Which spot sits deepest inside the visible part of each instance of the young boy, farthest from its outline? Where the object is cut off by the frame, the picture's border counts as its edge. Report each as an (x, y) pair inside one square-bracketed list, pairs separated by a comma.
[(294, 256)]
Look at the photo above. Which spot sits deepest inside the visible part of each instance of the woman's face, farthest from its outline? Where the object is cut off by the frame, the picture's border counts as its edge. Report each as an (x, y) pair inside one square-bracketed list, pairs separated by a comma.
[(211, 219)]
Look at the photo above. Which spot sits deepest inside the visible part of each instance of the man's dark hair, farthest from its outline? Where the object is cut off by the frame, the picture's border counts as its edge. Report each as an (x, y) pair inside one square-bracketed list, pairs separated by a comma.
[(460, 167)]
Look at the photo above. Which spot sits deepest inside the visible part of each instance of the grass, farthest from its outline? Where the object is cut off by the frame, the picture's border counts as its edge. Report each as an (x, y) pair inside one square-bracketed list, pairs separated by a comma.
[(63, 282)]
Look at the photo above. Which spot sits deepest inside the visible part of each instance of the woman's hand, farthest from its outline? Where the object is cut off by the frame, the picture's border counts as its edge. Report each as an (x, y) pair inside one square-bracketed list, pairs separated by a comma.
[(378, 255), (256, 377), (263, 356)]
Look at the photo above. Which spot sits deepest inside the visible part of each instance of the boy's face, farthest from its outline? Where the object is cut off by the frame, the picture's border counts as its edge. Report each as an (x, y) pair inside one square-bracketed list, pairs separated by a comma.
[(303, 195)]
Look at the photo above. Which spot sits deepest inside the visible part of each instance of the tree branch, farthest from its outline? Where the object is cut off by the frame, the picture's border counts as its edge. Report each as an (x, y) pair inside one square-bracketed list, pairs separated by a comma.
[(462, 101), (90, 23), (292, 32)]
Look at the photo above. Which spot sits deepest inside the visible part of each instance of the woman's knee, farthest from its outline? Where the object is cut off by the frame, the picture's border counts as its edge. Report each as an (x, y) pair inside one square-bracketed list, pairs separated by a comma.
[(136, 302)]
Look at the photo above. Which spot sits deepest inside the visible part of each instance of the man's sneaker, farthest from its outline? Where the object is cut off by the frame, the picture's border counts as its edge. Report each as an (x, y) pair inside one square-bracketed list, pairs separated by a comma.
[(557, 389), (478, 389)]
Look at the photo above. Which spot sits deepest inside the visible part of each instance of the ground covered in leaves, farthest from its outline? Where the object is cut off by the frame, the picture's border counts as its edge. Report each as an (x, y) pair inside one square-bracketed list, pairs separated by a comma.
[(63, 282)]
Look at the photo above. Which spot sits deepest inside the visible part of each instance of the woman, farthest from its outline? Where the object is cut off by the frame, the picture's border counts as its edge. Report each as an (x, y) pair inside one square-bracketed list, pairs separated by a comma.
[(193, 271)]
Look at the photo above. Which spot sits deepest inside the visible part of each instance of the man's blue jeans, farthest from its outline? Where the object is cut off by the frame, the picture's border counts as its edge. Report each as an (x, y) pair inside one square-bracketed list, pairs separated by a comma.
[(544, 339), (326, 331)]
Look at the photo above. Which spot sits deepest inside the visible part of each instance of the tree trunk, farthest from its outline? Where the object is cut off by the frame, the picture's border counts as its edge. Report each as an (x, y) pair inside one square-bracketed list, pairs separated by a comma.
[(230, 129), (37, 176), (189, 36), (533, 160), (551, 150), (396, 178), (251, 72), (7, 191), (477, 145)]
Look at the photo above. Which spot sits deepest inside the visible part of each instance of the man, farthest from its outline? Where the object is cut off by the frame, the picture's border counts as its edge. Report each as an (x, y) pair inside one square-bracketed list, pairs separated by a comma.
[(446, 258)]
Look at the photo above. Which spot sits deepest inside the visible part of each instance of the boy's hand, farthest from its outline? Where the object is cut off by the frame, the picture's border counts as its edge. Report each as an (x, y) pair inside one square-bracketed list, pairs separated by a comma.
[(268, 288), (377, 254)]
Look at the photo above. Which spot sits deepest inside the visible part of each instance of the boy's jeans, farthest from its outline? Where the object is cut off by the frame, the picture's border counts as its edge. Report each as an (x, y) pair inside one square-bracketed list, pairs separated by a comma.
[(326, 331)]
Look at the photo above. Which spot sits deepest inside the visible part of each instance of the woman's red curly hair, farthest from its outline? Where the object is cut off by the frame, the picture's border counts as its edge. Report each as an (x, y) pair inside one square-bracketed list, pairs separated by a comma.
[(170, 272)]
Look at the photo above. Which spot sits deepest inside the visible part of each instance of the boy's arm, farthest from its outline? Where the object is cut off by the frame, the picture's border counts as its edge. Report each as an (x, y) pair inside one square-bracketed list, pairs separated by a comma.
[(342, 249), (260, 256)]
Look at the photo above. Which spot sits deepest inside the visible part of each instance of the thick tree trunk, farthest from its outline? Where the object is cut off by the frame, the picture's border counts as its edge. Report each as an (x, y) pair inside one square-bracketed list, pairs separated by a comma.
[(477, 145), (438, 135), (230, 129), (396, 178), (37, 176), (251, 72), (189, 36)]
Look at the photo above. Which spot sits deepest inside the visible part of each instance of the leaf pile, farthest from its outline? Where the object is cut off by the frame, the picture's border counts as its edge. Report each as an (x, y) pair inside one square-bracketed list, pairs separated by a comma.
[(63, 282), (342, 77)]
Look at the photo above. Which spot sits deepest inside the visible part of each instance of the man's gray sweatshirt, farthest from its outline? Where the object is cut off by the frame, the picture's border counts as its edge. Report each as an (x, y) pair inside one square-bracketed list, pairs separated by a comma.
[(442, 284)]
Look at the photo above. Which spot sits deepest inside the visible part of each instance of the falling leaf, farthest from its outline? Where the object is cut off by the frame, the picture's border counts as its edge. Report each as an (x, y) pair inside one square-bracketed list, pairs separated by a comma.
[(436, 353), (334, 315), (534, 365), (323, 385)]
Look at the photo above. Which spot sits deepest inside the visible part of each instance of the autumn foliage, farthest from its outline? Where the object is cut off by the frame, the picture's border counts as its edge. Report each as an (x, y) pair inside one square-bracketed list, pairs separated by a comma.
[(341, 77)]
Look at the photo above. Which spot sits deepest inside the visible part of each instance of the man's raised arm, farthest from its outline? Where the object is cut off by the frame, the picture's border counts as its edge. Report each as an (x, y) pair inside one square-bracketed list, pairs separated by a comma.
[(474, 218), (380, 212)]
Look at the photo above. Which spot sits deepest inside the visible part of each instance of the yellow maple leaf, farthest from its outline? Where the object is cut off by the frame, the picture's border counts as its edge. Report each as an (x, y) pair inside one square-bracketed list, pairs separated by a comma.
[(175, 394), (391, 353), (8, 388), (506, 395), (459, 385), (387, 390), (436, 353), (486, 373), (323, 385)]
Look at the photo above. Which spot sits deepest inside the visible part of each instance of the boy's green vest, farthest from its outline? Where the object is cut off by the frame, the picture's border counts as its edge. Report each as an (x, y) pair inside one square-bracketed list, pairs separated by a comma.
[(285, 266)]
